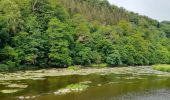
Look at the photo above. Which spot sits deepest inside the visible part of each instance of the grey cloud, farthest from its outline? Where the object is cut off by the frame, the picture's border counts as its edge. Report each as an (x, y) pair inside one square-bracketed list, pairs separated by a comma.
[(157, 9)]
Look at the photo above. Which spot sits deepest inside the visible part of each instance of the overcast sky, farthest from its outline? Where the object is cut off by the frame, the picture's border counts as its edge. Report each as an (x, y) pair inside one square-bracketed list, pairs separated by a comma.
[(157, 9)]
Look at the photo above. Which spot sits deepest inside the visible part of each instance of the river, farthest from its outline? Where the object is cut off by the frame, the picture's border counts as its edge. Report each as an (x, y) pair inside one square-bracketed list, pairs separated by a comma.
[(101, 86)]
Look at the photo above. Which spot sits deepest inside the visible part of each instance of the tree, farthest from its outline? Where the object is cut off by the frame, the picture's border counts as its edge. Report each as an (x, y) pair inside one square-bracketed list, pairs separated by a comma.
[(11, 14), (114, 58), (127, 55), (27, 47), (9, 20), (82, 55), (58, 44), (9, 56), (60, 33)]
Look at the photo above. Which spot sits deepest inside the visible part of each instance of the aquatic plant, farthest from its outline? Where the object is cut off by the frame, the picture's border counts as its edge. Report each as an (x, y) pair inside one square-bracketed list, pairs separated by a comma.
[(77, 87), (72, 88)]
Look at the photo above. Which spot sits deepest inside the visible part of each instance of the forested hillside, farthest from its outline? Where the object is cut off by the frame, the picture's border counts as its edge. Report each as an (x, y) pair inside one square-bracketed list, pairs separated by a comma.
[(60, 33)]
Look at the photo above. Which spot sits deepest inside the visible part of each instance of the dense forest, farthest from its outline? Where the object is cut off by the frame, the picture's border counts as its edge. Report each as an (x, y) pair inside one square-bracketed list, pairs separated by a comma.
[(60, 33)]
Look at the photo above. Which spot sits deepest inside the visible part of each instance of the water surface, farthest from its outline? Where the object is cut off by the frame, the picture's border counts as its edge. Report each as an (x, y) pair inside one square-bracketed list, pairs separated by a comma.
[(101, 87)]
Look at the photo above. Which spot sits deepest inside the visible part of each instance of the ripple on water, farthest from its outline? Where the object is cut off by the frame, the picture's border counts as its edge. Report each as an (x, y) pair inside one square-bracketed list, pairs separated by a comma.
[(163, 94)]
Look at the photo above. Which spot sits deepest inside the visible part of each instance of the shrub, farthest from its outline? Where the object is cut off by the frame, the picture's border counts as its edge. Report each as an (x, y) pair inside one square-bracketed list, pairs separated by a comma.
[(163, 67), (114, 58), (99, 65), (4, 67), (77, 87), (74, 68)]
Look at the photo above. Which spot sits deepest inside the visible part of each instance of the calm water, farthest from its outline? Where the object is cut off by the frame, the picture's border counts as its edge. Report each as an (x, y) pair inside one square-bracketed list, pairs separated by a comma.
[(102, 87)]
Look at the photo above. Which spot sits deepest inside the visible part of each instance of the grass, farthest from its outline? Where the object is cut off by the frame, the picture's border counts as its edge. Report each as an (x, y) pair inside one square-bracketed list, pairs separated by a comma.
[(99, 65), (74, 68), (162, 67), (72, 88), (77, 87)]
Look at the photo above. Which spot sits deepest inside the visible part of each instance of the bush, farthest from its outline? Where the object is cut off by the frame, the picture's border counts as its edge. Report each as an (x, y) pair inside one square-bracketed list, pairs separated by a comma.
[(77, 87), (99, 65), (74, 68), (4, 67), (163, 67), (114, 58)]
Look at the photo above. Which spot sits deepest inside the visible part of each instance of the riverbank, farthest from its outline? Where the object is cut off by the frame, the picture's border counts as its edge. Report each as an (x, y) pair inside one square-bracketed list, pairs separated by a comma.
[(41, 74)]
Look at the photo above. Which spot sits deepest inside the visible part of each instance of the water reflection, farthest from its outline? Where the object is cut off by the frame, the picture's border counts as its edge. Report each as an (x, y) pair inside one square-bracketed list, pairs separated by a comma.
[(112, 87)]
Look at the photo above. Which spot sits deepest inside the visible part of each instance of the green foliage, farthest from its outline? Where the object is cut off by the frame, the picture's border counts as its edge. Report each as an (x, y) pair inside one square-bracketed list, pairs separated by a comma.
[(27, 47), (99, 65), (9, 56), (10, 13), (165, 68), (79, 87), (72, 88), (114, 58), (4, 67), (58, 44), (83, 55), (165, 26), (61, 33), (74, 68)]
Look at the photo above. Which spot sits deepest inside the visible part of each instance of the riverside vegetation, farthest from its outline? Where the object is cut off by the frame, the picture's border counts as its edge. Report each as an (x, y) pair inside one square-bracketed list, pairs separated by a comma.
[(164, 67), (62, 33)]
